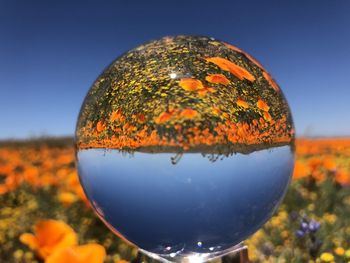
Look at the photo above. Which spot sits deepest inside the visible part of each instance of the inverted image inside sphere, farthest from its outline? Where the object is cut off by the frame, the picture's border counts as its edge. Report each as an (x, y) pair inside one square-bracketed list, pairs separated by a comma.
[(184, 93)]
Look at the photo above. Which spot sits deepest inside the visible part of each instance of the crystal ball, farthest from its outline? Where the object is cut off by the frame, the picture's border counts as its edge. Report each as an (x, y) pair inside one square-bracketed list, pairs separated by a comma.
[(185, 147)]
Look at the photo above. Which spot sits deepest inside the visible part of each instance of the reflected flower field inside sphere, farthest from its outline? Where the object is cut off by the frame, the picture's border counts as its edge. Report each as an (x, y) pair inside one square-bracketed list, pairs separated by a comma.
[(185, 147)]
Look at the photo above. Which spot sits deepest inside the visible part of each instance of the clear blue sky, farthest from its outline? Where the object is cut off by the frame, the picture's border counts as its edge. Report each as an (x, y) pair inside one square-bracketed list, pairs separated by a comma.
[(52, 51)]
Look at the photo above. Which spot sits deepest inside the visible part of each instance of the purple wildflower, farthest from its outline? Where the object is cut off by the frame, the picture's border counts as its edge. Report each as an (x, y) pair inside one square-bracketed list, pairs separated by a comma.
[(307, 226), (304, 226), (300, 233), (314, 225)]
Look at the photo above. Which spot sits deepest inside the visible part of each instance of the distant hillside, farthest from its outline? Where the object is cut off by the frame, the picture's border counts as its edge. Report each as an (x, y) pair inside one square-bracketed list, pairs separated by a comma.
[(32, 142)]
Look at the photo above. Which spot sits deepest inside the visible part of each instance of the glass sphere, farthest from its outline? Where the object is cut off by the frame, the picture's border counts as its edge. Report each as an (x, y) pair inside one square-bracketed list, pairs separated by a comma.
[(185, 147)]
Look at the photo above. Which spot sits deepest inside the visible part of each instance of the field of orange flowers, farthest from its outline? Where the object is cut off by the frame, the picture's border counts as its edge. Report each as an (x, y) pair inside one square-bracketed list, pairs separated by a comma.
[(45, 216)]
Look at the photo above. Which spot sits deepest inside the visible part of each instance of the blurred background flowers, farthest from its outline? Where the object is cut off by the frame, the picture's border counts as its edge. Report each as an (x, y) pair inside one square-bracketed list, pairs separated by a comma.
[(45, 216)]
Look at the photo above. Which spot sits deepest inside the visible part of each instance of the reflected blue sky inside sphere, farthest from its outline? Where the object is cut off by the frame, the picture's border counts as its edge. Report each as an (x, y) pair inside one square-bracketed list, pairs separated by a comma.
[(196, 205)]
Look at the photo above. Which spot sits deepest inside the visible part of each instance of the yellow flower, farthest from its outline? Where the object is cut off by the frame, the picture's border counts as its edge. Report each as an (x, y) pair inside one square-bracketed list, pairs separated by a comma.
[(347, 253), (284, 234), (18, 254), (311, 207), (275, 221), (330, 218), (313, 196), (327, 257), (283, 215), (339, 251)]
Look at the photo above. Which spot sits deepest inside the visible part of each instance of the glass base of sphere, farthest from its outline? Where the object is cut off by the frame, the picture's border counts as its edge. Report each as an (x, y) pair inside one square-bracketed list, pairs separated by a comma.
[(195, 257)]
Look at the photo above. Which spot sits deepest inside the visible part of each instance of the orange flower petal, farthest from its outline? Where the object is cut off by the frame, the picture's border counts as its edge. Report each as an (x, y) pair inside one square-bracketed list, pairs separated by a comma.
[(163, 117), (90, 253), (342, 177), (117, 116), (300, 170), (315, 163), (242, 103), (329, 163), (217, 79), (203, 92), (188, 113), (140, 118), (93, 253), (231, 67), (267, 116), (51, 235), (225, 115), (100, 126), (67, 198), (29, 240), (262, 105), (191, 84), (216, 110)]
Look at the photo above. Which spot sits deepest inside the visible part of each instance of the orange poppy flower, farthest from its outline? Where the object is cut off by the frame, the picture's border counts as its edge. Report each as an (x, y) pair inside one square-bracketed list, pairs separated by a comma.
[(31, 175), (191, 84), (90, 253), (117, 129), (262, 105), (300, 170), (216, 110), (140, 118), (163, 117), (342, 177), (225, 115), (117, 116), (67, 198), (267, 116), (203, 92), (10, 183), (49, 236), (217, 79), (6, 168), (315, 163), (329, 163), (231, 67), (188, 113), (100, 126), (242, 103), (129, 128), (270, 80), (195, 85)]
